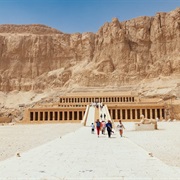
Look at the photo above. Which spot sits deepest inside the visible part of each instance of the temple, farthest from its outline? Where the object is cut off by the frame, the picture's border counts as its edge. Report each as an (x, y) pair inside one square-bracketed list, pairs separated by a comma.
[(87, 107)]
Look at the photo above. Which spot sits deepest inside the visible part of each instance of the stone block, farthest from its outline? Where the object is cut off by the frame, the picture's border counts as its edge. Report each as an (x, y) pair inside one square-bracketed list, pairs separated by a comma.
[(144, 127), (5, 120)]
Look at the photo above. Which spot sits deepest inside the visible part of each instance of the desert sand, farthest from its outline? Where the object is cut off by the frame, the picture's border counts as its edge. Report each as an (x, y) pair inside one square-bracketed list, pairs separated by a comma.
[(23, 137), (80, 154), (162, 143)]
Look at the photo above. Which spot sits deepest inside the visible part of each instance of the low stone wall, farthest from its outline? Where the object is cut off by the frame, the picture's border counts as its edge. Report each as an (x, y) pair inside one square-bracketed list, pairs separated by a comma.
[(5, 120), (176, 111), (144, 127)]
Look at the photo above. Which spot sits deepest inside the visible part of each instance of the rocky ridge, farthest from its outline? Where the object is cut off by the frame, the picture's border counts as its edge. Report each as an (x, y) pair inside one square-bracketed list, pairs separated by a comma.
[(129, 55)]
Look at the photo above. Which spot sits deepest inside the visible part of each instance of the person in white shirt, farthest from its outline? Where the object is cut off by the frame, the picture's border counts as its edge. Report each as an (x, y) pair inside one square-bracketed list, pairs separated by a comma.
[(92, 128), (120, 127)]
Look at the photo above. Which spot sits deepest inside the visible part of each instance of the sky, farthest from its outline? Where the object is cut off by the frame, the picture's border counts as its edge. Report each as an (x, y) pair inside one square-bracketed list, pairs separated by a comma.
[(72, 16)]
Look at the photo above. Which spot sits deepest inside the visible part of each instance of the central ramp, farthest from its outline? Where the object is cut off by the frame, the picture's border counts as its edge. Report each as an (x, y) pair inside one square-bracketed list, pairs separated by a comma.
[(94, 113), (82, 155), (90, 116)]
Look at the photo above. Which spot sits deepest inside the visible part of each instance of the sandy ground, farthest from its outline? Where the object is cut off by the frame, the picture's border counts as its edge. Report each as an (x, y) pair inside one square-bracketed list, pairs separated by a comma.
[(163, 143), (20, 138)]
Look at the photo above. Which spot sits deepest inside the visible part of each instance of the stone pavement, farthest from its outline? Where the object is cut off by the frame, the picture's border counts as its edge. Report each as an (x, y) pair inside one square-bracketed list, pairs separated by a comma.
[(82, 155)]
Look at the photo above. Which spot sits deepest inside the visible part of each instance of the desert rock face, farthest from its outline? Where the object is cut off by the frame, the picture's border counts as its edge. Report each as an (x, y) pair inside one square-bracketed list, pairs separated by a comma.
[(130, 53)]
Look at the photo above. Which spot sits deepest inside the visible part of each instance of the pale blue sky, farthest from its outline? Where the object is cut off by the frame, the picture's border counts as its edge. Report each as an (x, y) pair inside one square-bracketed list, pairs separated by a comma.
[(70, 16)]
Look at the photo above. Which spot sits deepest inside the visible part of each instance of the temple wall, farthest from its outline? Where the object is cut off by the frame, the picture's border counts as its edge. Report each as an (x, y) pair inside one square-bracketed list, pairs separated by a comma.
[(72, 108)]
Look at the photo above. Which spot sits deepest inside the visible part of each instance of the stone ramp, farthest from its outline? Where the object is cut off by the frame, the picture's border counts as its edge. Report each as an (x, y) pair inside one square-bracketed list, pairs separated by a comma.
[(82, 155), (90, 116)]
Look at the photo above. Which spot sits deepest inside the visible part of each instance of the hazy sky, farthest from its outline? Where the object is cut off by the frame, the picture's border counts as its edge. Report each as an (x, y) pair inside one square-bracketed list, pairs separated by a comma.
[(72, 16)]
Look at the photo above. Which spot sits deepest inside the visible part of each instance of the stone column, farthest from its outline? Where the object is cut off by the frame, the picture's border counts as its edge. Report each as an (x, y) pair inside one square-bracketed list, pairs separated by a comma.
[(135, 114), (145, 113), (161, 116), (67, 115), (116, 116), (57, 115), (141, 112), (62, 115), (73, 115), (151, 114), (77, 115), (156, 113), (48, 118), (131, 114), (120, 113), (126, 114)]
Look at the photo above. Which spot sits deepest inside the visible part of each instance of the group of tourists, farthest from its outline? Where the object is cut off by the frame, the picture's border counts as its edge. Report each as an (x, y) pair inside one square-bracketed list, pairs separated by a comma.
[(102, 126)]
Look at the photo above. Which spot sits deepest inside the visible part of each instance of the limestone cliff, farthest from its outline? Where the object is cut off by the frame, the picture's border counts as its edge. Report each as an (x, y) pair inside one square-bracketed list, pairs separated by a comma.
[(131, 53)]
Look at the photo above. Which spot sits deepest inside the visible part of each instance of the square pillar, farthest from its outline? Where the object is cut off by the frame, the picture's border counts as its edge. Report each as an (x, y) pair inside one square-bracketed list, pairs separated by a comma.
[(131, 114), (145, 113), (77, 115), (151, 114), (126, 114), (141, 112), (67, 115), (48, 116), (120, 113), (136, 114), (73, 115)]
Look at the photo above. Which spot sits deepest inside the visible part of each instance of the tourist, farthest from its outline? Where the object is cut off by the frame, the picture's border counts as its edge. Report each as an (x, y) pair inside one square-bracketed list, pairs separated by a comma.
[(109, 128), (101, 116), (103, 127), (98, 126), (92, 128), (120, 127)]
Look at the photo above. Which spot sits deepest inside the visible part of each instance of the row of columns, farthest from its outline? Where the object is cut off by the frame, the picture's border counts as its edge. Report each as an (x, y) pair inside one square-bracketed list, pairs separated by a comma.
[(132, 114), (56, 115), (97, 99)]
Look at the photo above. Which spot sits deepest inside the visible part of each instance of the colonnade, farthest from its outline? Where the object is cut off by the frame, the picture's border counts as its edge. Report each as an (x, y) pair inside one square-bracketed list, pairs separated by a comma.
[(134, 114), (72, 108), (40, 115), (96, 99), (77, 115)]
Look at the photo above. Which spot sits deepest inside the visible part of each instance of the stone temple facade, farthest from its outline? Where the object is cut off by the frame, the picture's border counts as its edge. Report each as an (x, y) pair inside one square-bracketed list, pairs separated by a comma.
[(79, 107)]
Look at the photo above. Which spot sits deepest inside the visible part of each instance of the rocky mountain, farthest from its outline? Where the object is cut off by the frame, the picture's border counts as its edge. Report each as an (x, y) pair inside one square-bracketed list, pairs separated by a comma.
[(141, 54)]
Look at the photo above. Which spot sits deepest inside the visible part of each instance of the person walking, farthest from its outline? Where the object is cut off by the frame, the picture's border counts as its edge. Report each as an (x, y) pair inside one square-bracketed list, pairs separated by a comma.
[(98, 126), (104, 116), (109, 128), (101, 116), (92, 128), (120, 127), (103, 128)]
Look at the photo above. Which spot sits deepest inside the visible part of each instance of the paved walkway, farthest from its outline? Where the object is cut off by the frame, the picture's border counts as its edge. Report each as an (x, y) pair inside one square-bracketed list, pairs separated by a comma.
[(82, 155)]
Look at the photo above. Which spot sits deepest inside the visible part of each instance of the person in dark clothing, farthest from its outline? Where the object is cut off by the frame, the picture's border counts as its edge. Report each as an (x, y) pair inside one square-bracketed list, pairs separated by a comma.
[(101, 116), (109, 128)]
